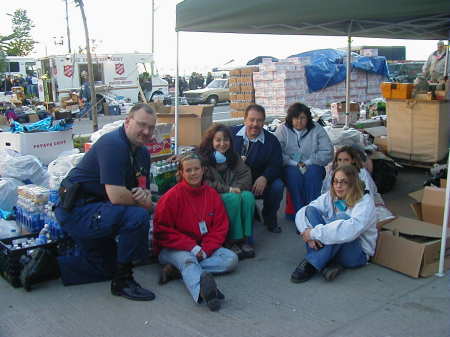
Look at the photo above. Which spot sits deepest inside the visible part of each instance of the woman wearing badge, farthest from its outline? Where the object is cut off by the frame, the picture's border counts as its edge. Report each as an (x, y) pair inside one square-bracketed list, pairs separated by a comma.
[(227, 174), (190, 226), (338, 228)]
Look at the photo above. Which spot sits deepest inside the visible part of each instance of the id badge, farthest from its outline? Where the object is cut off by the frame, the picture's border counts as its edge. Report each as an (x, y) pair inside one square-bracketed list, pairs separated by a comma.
[(142, 182), (203, 228)]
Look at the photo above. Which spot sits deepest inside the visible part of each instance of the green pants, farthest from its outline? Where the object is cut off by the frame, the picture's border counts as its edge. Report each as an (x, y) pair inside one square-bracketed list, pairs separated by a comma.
[(240, 209)]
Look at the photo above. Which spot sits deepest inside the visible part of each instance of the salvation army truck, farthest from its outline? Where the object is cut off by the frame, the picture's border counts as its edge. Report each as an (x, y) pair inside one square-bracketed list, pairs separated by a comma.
[(114, 75)]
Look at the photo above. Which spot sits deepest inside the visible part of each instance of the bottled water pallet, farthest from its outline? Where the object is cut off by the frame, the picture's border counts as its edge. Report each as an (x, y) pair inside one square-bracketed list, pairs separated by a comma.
[(15, 253)]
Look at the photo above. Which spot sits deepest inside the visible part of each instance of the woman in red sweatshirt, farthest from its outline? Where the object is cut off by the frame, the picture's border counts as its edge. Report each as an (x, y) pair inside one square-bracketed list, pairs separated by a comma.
[(190, 226)]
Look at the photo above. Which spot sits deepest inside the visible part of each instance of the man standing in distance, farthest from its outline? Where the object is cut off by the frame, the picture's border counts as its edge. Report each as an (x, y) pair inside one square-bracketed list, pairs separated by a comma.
[(261, 151), (107, 196)]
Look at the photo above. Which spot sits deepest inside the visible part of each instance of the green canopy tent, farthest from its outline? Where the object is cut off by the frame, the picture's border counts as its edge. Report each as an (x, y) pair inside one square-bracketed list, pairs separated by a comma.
[(401, 19)]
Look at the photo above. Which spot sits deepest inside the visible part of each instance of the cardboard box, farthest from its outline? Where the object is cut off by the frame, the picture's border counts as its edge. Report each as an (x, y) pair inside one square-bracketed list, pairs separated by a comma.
[(418, 130), (338, 113), (410, 246), (429, 205), (33, 118), (44, 145), (3, 120), (193, 120), (382, 143), (396, 90), (443, 183)]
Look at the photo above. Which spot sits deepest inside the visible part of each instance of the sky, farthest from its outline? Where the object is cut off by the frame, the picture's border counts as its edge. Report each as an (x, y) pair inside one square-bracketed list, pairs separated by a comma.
[(125, 26)]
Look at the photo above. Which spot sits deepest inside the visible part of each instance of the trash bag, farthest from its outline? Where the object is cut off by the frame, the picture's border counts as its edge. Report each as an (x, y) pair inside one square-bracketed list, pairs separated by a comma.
[(27, 169), (384, 174), (61, 166), (8, 193)]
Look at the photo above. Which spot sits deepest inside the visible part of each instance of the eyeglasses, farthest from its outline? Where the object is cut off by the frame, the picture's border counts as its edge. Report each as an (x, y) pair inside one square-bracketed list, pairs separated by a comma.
[(143, 125), (340, 182)]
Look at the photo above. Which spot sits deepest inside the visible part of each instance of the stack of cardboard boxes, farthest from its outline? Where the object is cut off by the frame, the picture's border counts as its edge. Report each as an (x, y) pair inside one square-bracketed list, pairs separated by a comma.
[(242, 91), (279, 84)]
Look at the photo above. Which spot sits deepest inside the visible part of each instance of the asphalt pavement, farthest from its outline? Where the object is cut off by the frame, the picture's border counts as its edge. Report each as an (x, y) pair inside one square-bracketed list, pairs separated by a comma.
[(371, 301)]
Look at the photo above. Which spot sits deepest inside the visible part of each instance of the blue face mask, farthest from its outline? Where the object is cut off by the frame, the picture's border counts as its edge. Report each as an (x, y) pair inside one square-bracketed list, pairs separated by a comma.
[(341, 205), (220, 157)]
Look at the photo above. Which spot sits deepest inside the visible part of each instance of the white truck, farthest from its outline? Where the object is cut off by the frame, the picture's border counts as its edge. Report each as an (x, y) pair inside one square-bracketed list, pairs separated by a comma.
[(114, 75), (19, 65)]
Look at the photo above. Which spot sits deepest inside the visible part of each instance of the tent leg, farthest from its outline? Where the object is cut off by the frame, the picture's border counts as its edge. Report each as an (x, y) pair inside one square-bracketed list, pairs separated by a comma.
[(441, 271), (446, 60), (177, 84), (347, 80)]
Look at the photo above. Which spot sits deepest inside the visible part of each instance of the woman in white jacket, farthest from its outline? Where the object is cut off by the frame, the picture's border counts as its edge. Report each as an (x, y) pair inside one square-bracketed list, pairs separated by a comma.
[(339, 228), (348, 155)]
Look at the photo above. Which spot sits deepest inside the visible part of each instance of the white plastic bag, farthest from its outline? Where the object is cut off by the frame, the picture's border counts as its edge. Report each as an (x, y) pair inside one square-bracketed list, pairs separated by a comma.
[(27, 169), (61, 166), (106, 129), (8, 193)]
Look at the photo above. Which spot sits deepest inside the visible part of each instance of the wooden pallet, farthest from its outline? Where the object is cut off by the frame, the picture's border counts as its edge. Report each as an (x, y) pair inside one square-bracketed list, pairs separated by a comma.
[(412, 163)]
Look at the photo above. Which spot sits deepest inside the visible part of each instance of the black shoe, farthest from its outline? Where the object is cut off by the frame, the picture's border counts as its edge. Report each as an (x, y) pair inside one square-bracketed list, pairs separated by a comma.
[(42, 266), (331, 271), (208, 291), (248, 251), (123, 284), (220, 295), (303, 272), (274, 229), (168, 273)]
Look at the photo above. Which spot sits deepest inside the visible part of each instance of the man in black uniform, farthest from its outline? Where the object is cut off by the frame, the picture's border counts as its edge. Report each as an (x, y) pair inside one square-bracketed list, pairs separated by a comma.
[(111, 200)]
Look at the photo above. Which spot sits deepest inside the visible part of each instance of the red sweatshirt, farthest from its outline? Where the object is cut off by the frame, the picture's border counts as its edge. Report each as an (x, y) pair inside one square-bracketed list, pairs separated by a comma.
[(178, 214)]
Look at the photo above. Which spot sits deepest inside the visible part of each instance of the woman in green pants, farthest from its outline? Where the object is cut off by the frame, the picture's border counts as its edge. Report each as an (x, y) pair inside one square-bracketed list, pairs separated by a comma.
[(227, 173)]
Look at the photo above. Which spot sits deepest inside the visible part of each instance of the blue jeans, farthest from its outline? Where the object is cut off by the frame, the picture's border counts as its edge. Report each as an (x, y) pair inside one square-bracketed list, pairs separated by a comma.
[(221, 261), (349, 254), (94, 227), (273, 194), (304, 188)]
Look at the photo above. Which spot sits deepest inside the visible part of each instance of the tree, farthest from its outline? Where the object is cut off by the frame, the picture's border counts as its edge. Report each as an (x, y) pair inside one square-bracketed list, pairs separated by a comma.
[(20, 42)]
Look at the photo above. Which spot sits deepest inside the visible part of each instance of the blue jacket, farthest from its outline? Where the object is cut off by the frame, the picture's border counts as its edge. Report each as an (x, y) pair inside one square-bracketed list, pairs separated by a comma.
[(263, 159)]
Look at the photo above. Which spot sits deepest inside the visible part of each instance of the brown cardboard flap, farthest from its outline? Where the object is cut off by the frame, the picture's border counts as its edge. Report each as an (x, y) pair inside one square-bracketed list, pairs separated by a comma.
[(399, 254), (409, 226), (443, 183), (417, 209), (417, 195), (432, 268), (433, 203), (377, 131)]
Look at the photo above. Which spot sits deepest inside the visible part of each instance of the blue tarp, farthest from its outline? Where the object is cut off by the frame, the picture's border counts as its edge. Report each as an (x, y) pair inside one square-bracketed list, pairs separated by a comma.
[(43, 125), (327, 67)]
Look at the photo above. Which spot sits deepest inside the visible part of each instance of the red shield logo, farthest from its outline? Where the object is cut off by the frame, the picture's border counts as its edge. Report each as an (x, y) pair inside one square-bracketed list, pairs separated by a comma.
[(68, 71), (120, 68)]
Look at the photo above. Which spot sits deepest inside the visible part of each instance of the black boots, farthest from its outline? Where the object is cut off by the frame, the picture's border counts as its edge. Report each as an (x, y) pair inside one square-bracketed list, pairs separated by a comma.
[(303, 272), (123, 284), (42, 266), (272, 225), (209, 292)]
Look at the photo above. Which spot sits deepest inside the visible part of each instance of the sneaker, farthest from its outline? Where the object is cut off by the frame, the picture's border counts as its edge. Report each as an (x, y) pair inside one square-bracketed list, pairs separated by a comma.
[(331, 271), (248, 251), (303, 272), (208, 291), (168, 273)]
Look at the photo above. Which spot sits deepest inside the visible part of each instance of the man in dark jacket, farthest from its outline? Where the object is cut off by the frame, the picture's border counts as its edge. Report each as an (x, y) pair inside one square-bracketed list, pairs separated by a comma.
[(261, 151)]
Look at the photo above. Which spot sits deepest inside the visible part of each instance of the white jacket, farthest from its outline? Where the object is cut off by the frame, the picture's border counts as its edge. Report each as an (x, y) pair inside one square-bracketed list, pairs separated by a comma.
[(383, 213), (361, 225)]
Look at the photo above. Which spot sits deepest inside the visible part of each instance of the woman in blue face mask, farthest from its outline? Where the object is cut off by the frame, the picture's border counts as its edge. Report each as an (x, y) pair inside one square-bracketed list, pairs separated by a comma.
[(228, 174), (338, 228)]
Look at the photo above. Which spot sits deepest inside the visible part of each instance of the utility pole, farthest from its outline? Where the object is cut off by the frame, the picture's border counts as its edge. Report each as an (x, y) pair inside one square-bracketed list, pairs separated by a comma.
[(90, 71), (68, 30)]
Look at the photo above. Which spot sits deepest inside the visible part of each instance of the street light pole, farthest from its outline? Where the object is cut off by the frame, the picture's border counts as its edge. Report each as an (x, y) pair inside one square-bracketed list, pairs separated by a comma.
[(153, 38), (68, 30)]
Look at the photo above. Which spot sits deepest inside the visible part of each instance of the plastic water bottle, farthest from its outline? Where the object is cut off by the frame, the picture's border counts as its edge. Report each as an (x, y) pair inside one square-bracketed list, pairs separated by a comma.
[(44, 235)]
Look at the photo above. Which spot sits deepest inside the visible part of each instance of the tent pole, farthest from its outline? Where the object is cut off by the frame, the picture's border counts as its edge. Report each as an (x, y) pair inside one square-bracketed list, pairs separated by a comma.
[(177, 84), (347, 76), (441, 271), (446, 59)]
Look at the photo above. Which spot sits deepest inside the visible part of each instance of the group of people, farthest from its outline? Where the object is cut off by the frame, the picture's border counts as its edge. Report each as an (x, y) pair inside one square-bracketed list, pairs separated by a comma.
[(29, 84), (204, 224)]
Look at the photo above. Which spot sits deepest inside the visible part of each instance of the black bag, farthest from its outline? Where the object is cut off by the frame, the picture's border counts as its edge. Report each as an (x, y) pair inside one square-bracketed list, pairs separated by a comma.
[(384, 175), (68, 194)]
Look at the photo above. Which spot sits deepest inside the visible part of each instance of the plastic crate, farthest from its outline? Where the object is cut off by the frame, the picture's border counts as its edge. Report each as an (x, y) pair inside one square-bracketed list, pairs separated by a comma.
[(10, 259)]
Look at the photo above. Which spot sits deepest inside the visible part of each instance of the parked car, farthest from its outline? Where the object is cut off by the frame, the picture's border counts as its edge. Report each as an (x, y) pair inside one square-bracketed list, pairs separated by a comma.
[(215, 92)]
